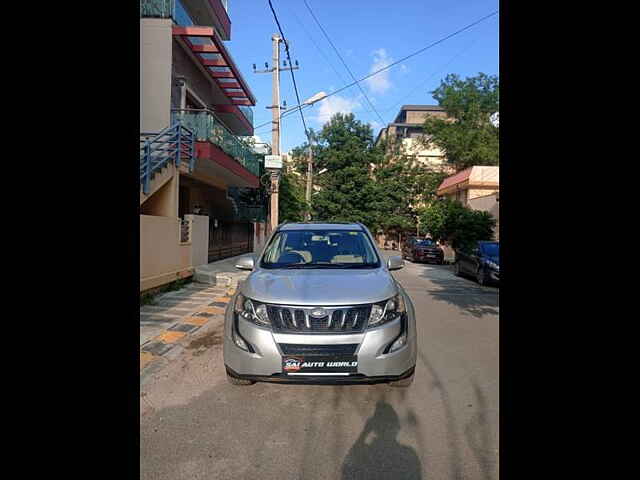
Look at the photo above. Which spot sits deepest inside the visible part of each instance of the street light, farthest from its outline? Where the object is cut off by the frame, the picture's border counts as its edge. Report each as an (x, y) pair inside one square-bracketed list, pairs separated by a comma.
[(309, 101)]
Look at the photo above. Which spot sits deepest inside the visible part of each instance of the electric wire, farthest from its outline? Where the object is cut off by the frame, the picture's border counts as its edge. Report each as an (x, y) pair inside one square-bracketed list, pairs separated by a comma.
[(343, 62), (295, 86), (397, 61), (317, 47)]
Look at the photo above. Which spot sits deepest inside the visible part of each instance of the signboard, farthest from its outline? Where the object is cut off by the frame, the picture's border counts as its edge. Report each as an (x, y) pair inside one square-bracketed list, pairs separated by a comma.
[(272, 161)]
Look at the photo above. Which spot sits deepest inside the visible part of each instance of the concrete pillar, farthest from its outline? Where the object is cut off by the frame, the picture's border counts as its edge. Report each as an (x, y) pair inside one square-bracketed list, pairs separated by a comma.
[(155, 73)]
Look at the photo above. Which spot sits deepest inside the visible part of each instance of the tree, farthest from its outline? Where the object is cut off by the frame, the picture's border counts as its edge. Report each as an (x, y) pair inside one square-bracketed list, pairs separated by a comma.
[(458, 225), (291, 203), (345, 148), (468, 137)]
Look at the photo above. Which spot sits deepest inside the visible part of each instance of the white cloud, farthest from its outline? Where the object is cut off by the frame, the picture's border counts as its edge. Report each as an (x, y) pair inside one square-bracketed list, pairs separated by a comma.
[(332, 105), (380, 82), (375, 124)]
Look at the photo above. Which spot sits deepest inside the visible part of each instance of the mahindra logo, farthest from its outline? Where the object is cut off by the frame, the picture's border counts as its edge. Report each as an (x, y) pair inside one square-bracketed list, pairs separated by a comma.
[(318, 313)]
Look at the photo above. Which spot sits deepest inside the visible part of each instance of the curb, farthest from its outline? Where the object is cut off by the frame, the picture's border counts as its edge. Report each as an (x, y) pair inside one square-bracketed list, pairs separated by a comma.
[(153, 351)]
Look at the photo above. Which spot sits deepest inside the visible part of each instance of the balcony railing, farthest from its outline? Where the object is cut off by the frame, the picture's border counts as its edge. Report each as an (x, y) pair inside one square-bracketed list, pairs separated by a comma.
[(175, 10), (207, 127), (166, 9), (157, 8)]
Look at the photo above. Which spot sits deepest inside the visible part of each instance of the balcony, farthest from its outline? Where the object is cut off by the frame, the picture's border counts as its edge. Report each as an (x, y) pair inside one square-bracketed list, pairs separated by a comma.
[(207, 127), (212, 12)]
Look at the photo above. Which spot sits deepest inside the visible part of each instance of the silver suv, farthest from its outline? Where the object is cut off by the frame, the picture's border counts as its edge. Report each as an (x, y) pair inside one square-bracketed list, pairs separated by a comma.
[(320, 306)]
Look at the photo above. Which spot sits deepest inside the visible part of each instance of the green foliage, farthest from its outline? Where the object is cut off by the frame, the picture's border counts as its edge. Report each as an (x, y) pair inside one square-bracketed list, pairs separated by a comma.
[(470, 139), (345, 148), (458, 225), (363, 183), (291, 203)]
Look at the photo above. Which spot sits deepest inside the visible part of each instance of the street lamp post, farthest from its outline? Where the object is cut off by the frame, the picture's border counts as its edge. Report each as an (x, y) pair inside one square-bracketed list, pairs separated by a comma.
[(273, 163), (310, 101)]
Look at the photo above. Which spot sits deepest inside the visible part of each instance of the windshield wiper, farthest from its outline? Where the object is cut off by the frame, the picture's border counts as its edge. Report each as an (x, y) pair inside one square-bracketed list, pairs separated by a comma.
[(354, 265), (305, 265)]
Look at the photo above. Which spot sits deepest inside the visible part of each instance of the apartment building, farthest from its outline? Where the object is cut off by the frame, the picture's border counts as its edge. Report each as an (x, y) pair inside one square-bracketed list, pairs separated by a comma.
[(407, 134), (200, 195)]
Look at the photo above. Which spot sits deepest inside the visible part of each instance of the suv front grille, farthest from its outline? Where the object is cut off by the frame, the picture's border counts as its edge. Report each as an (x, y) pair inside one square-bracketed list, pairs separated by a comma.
[(294, 319), (306, 349)]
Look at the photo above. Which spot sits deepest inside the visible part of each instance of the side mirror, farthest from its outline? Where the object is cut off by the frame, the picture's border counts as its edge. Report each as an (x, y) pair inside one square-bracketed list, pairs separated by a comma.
[(395, 262), (246, 262)]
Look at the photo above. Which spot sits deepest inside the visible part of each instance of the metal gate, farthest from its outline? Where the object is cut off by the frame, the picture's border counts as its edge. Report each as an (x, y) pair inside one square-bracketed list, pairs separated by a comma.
[(229, 238)]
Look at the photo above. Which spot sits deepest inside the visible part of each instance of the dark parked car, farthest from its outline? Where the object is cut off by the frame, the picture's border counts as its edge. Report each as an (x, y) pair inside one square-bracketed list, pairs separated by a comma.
[(482, 262), (422, 250)]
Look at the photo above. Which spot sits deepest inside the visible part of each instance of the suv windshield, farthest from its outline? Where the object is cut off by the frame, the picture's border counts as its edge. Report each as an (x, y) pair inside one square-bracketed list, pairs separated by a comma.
[(491, 249), (427, 242), (320, 249)]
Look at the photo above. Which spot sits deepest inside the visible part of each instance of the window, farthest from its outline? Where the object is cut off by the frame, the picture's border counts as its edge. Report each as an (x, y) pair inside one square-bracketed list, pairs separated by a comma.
[(320, 249), (427, 242), (491, 249)]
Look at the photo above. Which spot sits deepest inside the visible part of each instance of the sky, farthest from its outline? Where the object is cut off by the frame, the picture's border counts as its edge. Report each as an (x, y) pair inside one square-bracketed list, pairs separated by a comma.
[(369, 34)]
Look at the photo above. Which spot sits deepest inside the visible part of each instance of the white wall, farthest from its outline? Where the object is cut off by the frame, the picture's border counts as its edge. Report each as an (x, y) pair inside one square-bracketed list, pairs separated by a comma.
[(199, 239), (155, 73)]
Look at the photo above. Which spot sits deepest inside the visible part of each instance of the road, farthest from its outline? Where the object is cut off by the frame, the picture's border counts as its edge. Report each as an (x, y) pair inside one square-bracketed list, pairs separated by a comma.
[(194, 425)]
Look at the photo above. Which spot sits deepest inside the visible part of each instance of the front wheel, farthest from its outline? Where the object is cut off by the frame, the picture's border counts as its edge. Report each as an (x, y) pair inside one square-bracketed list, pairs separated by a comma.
[(239, 381), (482, 277), (456, 269)]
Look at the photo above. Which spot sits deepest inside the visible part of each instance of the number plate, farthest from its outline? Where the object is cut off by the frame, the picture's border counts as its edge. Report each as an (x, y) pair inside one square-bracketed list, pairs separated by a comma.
[(320, 364)]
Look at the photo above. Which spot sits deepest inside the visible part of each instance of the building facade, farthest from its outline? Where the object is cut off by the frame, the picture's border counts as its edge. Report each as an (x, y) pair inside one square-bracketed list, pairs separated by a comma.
[(406, 133), (476, 187), (195, 165)]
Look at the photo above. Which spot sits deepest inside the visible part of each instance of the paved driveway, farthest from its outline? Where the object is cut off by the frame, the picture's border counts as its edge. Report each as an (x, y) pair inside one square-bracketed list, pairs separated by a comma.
[(445, 426)]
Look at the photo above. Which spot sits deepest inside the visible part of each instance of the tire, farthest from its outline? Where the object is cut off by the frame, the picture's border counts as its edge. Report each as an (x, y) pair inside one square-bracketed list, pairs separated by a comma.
[(456, 269), (404, 383), (481, 277), (239, 381)]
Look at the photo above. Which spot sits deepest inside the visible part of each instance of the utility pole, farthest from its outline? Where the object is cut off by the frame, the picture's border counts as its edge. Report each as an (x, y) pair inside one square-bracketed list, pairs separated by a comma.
[(309, 176), (275, 112)]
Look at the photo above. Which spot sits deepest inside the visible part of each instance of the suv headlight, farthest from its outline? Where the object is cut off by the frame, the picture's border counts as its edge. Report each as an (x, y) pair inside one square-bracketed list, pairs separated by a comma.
[(385, 312), (493, 265), (251, 311)]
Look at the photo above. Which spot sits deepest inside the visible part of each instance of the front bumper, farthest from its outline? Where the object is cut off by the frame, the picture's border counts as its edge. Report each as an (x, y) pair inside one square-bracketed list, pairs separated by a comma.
[(265, 364), (428, 257), (323, 380)]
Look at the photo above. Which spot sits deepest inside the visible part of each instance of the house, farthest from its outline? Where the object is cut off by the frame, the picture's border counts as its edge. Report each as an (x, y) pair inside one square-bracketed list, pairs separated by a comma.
[(407, 134), (476, 187), (196, 172)]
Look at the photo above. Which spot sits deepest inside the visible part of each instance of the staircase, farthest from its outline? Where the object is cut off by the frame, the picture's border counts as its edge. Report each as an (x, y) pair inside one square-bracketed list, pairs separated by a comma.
[(161, 155)]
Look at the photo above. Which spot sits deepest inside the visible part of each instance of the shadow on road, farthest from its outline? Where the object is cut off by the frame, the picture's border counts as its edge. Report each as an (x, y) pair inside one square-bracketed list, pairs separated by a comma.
[(377, 454), (478, 435), (459, 291)]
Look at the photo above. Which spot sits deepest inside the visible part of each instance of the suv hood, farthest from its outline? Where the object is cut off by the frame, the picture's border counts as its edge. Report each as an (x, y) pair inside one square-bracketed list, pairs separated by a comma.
[(322, 287)]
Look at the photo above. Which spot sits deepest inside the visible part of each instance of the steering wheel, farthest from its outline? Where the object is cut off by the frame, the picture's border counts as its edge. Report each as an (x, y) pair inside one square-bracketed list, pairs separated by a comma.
[(291, 257)]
